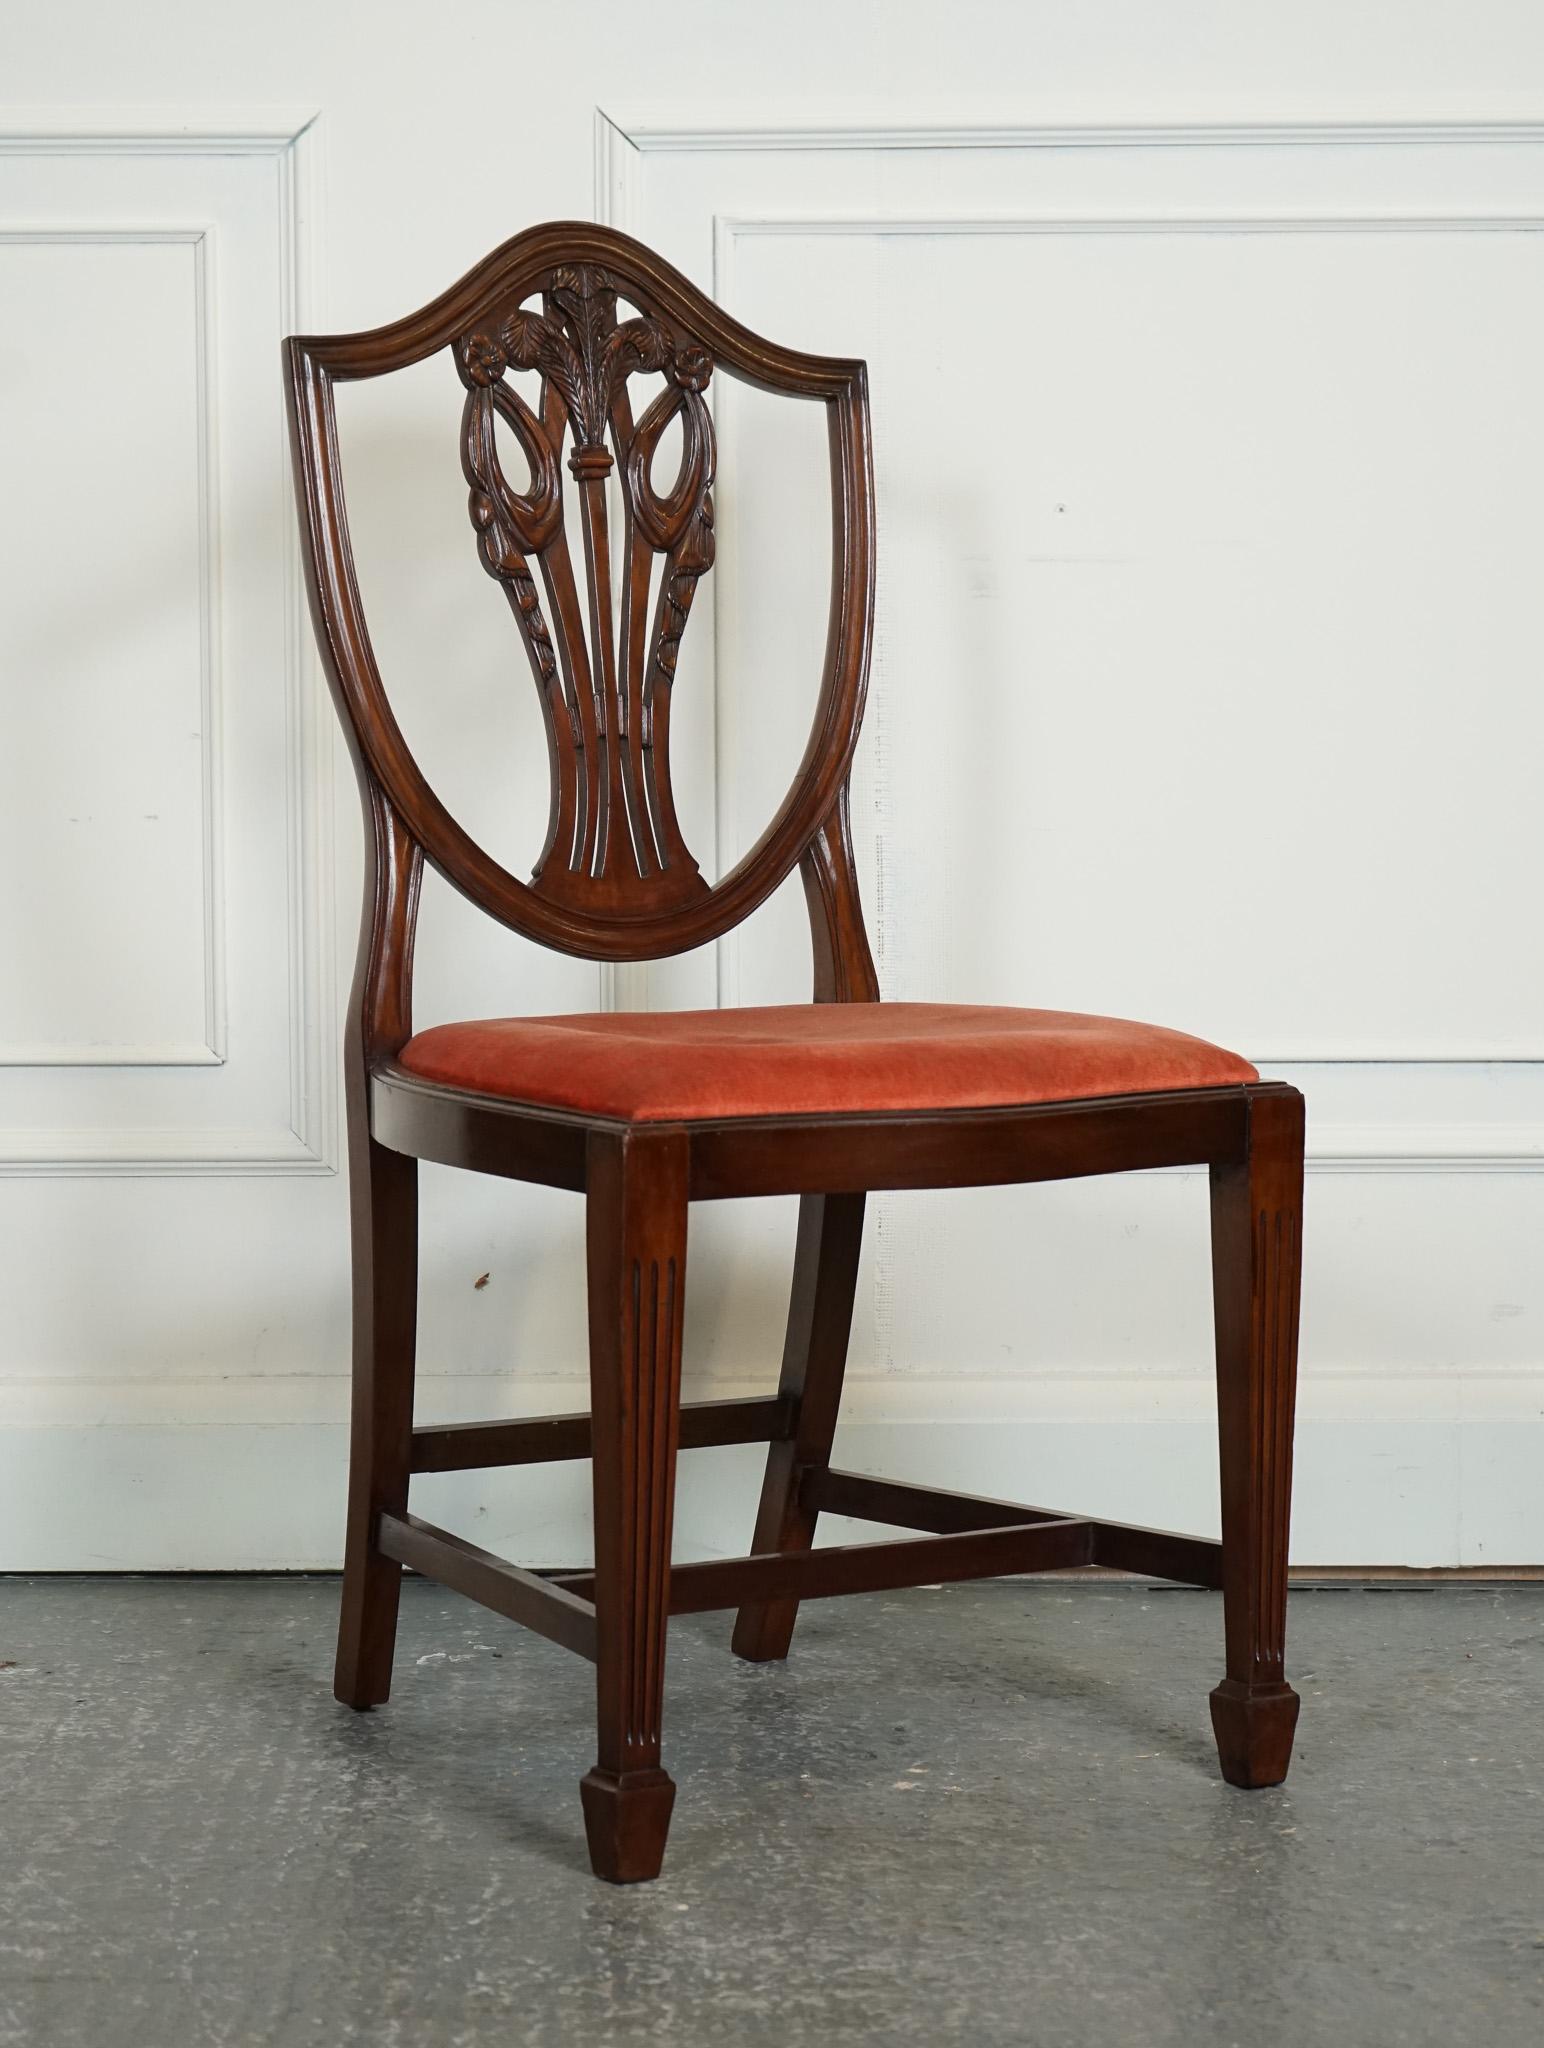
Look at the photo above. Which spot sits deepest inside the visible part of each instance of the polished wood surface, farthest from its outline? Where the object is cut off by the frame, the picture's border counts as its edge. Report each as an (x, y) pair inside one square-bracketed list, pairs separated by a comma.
[(465, 1446), (825, 1280), (1257, 1231), (785, 1578), (518, 1595), (602, 908), (585, 309), (637, 1287)]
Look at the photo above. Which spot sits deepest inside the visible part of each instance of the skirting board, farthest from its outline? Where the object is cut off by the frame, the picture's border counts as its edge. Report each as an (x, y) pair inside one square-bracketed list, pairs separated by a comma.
[(1439, 1473)]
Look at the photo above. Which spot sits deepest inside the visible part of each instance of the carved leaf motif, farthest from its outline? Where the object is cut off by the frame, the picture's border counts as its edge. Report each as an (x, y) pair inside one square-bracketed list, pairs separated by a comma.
[(612, 798), (663, 520), (508, 522), (532, 341), (693, 559)]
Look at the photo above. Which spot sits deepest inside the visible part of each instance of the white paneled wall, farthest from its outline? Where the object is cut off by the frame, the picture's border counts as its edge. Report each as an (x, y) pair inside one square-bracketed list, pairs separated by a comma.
[(166, 928), (1209, 429)]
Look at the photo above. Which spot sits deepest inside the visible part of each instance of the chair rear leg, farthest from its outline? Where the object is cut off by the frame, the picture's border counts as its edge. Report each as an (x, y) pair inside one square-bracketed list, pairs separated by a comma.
[(383, 1197), (825, 1280), (636, 1229), (1257, 1213)]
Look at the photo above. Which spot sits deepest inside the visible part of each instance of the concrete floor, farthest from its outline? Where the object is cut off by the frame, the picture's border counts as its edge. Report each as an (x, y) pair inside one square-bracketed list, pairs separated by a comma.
[(980, 1815)]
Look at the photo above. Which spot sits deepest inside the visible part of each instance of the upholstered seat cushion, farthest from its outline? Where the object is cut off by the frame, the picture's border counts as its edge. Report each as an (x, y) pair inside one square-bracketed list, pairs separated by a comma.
[(813, 1059)]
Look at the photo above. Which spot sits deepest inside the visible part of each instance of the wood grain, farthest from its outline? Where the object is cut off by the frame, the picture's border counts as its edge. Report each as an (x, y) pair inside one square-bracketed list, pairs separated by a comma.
[(636, 1235), (1257, 1221), (613, 880), (545, 1439), (825, 1279), (536, 1603)]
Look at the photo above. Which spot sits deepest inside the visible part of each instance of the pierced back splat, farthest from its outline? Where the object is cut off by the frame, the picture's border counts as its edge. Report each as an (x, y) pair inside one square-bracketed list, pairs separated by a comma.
[(614, 880), (604, 681)]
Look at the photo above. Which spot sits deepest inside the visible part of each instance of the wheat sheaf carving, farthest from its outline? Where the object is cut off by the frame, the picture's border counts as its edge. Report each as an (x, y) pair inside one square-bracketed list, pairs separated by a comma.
[(604, 681)]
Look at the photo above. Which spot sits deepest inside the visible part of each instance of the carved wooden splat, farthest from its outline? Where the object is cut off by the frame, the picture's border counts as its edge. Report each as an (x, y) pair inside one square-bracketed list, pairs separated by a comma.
[(614, 880), (604, 681)]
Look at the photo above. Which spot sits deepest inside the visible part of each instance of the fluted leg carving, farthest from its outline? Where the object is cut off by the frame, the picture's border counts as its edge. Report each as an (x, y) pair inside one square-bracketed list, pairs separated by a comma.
[(637, 1278), (825, 1278), (1257, 1216)]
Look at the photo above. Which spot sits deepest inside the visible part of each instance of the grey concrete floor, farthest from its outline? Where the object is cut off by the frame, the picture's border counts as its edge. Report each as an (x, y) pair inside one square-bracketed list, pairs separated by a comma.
[(983, 1815)]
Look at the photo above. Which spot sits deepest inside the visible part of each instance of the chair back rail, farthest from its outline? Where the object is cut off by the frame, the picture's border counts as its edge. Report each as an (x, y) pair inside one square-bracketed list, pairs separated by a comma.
[(614, 879)]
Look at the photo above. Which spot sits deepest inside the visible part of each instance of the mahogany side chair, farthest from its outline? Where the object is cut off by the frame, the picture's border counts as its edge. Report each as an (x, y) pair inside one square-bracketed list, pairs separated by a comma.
[(644, 1114)]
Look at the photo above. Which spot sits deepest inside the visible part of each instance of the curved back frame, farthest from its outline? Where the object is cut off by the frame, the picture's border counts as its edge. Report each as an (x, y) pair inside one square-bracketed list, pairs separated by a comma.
[(615, 880)]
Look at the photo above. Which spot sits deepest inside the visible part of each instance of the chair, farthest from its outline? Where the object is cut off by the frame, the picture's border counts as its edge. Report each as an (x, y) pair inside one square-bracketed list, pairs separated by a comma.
[(646, 1114)]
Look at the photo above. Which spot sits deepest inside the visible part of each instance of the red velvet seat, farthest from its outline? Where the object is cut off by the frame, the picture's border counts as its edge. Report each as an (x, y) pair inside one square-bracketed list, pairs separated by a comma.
[(806, 1059)]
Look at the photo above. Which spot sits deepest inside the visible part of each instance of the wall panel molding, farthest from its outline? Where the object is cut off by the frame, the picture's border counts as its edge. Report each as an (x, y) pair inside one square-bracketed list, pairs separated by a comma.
[(210, 1051), (306, 1142), (154, 131), (623, 147), (645, 131)]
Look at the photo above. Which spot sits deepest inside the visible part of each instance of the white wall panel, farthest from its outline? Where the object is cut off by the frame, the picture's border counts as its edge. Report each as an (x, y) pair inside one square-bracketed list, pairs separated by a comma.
[(1246, 734), (1206, 470), (109, 930), (1164, 569), (167, 1006)]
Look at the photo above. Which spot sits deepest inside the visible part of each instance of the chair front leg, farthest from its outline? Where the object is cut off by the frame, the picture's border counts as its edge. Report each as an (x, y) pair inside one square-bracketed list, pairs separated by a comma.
[(825, 1280), (383, 1201), (636, 1232), (1257, 1217)]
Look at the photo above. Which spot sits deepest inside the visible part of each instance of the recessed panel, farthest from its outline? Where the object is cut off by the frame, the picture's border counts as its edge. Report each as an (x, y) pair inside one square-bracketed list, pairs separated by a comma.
[(105, 647), (1208, 641)]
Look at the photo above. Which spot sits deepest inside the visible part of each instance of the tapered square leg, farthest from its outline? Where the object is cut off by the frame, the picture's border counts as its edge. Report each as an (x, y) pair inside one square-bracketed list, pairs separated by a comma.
[(636, 1231), (383, 1198), (1257, 1214), (825, 1279), (1254, 1726), (627, 1821)]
